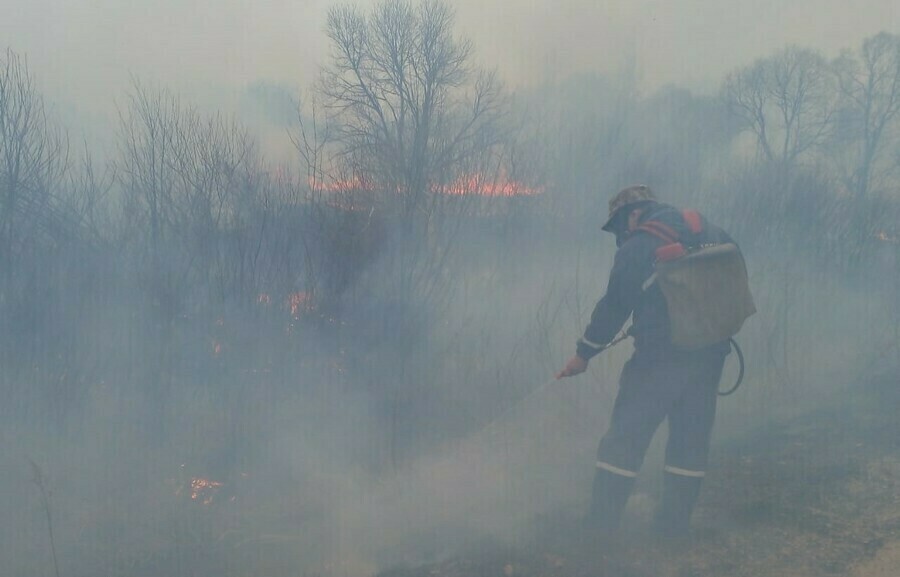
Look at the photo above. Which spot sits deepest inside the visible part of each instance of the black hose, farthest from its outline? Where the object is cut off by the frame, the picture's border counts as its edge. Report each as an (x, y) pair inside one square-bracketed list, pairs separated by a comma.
[(740, 378)]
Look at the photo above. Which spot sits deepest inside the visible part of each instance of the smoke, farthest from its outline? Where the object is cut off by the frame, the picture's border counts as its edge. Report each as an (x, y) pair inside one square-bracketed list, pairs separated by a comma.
[(182, 429), (209, 51), (307, 458)]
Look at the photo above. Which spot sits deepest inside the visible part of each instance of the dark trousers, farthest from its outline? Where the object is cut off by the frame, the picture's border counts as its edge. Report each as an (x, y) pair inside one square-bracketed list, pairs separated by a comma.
[(677, 386)]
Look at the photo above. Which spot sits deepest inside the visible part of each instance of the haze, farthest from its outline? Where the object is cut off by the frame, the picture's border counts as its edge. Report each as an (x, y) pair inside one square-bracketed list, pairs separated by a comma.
[(84, 51), (266, 311)]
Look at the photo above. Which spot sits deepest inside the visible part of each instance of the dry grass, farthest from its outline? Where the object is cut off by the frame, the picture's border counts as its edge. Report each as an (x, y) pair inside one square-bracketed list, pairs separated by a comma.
[(816, 497)]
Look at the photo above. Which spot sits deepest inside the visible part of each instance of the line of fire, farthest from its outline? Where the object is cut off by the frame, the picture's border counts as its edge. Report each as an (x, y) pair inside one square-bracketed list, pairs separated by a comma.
[(487, 199)]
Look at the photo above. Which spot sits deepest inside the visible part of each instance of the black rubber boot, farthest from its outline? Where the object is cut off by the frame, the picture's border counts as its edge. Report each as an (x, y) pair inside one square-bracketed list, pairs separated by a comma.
[(679, 497), (608, 498)]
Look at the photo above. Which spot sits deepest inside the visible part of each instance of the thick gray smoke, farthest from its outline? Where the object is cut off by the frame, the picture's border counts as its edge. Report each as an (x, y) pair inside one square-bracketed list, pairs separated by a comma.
[(259, 317)]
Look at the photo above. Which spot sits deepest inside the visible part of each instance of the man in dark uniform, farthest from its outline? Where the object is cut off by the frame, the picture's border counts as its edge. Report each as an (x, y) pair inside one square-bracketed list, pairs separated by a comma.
[(660, 381)]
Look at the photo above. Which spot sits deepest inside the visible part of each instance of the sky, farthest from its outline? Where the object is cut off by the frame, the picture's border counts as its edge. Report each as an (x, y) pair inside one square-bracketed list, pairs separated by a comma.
[(84, 52)]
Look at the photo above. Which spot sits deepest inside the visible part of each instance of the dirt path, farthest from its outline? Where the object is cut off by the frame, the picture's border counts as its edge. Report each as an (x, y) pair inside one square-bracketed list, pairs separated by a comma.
[(816, 497)]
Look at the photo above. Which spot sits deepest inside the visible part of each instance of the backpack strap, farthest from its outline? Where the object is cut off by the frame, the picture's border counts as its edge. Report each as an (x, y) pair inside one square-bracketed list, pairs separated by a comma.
[(666, 233), (693, 220), (670, 237), (659, 230)]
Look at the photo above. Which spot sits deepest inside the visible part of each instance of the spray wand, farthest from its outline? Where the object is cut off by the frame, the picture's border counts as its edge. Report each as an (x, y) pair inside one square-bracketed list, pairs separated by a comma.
[(619, 338)]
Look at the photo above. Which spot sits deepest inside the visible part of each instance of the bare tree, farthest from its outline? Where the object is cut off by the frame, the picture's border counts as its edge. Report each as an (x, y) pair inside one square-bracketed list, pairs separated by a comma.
[(33, 159), (411, 118), (88, 197), (786, 101), (417, 132), (213, 161), (34, 225), (184, 178), (869, 82), (148, 143), (410, 105)]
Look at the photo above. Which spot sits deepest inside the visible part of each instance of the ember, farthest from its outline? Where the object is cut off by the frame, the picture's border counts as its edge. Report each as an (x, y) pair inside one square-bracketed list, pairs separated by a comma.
[(883, 236), (300, 302), (203, 490)]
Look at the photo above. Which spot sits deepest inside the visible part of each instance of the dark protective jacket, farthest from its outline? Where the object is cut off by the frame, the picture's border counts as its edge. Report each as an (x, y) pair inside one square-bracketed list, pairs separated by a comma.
[(633, 265)]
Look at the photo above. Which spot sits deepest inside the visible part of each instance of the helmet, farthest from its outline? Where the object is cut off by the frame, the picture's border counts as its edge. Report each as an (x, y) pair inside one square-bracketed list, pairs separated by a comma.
[(626, 197)]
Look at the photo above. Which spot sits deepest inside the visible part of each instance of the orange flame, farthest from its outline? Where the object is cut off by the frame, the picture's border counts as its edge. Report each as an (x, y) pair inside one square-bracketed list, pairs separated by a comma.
[(203, 490), (346, 185), (476, 184), (479, 185), (300, 302)]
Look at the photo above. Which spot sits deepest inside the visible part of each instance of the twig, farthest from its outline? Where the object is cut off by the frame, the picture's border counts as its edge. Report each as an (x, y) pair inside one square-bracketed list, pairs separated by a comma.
[(38, 479)]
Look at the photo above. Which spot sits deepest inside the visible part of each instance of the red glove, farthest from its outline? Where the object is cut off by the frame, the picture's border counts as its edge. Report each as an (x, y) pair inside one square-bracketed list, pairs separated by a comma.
[(575, 366)]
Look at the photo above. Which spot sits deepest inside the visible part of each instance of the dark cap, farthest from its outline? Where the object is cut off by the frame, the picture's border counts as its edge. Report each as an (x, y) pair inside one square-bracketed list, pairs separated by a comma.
[(626, 197)]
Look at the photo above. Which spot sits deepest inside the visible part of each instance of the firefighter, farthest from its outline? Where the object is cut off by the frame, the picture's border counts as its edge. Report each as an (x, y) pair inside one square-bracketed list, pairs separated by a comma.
[(660, 381)]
